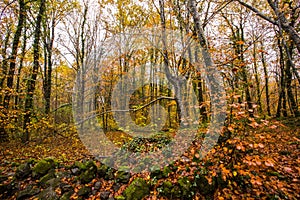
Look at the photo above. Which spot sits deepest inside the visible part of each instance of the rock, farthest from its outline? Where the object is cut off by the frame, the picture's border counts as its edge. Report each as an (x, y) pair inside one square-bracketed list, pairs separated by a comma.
[(186, 189), (75, 171), (90, 172), (65, 187), (64, 174), (41, 168), (137, 189), (23, 171), (48, 194), (123, 177), (87, 176), (165, 189), (104, 195), (84, 191), (29, 191), (158, 174), (79, 165), (102, 170), (66, 195), (47, 177), (116, 186), (166, 171), (54, 163), (97, 185), (109, 174), (54, 182)]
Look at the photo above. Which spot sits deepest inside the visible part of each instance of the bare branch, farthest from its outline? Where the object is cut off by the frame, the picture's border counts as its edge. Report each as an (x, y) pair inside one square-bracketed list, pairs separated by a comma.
[(257, 12), (128, 110)]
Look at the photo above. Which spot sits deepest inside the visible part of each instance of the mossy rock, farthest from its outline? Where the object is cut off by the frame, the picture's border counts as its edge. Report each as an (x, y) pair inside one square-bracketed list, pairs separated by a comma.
[(23, 171), (66, 195), (48, 194), (186, 188), (54, 182), (137, 190), (84, 191), (42, 167), (54, 163), (84, 165), (87, 176), (101, 171), (109, 174), (29, 191), (158, 173), (123, 177), (47, 177), (165, 189), (90, 172)]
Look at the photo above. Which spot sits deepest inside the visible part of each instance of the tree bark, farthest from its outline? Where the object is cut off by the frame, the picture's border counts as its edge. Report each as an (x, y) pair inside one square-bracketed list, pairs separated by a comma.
[(31, 83), (13, 57), (266, 79)]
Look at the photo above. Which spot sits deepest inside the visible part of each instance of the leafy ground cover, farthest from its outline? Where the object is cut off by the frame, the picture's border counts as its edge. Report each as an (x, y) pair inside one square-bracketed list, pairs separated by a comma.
[(260, 161)]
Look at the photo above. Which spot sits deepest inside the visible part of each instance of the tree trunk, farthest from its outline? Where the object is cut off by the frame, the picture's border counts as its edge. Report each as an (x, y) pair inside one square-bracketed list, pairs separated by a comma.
[(257, 79), (13, 57), (12, 66), (289, 77), (48, 67), (266, 79), (31, 83)]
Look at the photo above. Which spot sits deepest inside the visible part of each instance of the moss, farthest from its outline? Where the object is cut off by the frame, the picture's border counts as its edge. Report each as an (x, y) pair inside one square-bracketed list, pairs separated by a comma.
[(137, 190), (41, 168)]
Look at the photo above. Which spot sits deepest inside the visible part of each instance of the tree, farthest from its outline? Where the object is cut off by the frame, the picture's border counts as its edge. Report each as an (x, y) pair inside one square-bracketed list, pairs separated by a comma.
[(12, 64), (31, 83)]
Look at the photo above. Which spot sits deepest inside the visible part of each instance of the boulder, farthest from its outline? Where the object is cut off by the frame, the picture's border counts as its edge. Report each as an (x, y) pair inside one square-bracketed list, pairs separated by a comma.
[(84, 191), (47, 177), (29, 191), (23, 171), (137, 190), (41, 168), (66, 195), (123, 177), (48, 194), (104, 195)]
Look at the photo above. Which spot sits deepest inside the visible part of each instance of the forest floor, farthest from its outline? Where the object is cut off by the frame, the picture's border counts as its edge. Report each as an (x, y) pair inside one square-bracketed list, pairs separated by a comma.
[(260, 161)]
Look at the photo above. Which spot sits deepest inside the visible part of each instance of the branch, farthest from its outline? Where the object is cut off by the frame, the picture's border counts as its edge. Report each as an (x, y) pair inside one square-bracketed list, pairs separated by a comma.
[(6, 6), (129, 110), (257, 12)]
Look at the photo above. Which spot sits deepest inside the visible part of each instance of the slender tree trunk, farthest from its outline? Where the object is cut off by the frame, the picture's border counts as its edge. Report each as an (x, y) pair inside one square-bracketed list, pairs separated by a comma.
[(289, 77), (13, 57), (282, 97), (4, 64), (17, 98), (244, 73), (31, 83), (175, 81), (12, 66), (257, 79), (266, 79), (48, 67)]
